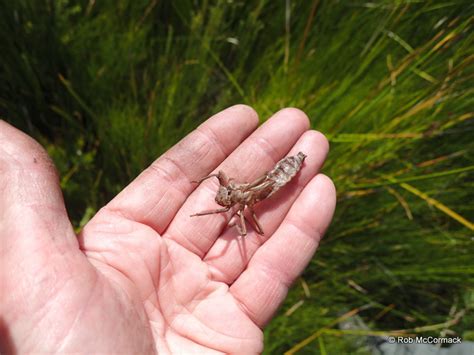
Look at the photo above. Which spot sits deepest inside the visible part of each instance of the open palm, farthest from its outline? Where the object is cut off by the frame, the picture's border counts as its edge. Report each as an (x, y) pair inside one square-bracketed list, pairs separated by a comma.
[(143, 276)]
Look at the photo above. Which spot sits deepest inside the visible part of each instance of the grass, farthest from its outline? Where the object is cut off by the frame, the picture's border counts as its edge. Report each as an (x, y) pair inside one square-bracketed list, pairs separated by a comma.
[(108, 86)]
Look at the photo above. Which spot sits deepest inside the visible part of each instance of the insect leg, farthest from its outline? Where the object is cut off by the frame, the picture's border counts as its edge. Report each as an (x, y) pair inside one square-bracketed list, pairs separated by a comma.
[(257, 181), (223, 179), (256, 222), (204, 178), (242, 229), (203, 213)]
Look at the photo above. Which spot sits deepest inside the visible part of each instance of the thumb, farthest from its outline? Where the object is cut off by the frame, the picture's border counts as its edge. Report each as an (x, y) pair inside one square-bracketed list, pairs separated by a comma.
[(36, 238), (32, 211)]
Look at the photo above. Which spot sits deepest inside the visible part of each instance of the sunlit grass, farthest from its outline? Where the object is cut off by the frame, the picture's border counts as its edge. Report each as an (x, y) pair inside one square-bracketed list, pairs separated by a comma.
[(108, 86)]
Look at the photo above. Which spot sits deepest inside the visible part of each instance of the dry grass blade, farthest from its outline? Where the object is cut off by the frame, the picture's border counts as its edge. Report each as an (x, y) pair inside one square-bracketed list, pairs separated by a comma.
[(431, 201)]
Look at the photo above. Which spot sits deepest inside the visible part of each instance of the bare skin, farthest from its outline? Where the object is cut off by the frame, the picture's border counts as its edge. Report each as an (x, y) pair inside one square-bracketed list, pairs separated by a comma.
[(142, 276)]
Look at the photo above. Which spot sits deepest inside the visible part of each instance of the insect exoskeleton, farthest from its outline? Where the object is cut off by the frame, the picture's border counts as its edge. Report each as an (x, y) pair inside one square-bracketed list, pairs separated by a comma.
[(246, 195), (285, 170)]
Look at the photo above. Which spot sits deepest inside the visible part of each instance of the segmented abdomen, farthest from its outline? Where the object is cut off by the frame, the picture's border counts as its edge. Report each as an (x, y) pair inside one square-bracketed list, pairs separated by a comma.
[(273, 180), (285, 170)]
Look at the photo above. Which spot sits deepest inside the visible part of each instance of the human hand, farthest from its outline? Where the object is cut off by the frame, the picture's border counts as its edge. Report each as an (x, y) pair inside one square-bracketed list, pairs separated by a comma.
[(143, 276)]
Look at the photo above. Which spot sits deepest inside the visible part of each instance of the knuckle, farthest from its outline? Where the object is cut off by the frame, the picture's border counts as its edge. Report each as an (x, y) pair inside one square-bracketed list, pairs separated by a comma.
[(20, 151)]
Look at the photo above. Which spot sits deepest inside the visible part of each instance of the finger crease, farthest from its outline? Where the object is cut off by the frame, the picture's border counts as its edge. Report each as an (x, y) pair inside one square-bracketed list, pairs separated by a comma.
[(275, 275), (267, 148), (212, 137), (305, 230), (172, 176)]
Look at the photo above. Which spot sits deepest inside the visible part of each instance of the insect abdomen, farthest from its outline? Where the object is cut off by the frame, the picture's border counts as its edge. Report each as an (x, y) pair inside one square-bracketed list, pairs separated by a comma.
[(285, 170)]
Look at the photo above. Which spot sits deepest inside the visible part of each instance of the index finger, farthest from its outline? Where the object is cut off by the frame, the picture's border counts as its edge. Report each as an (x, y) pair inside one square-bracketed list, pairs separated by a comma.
[(159, 191)]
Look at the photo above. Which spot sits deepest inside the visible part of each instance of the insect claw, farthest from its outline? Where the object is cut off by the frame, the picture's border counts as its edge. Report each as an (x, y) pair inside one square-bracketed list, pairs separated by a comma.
[(241, 231)]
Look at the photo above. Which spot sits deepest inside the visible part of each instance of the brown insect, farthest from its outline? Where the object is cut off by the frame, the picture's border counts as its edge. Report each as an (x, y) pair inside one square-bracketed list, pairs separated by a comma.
[(247, 195)]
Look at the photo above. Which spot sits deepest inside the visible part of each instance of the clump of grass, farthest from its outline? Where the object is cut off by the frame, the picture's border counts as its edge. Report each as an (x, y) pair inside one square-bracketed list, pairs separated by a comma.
[(108, 86)]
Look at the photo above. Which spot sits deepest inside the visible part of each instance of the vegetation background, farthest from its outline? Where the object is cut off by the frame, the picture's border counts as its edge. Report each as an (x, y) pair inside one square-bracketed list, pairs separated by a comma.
[(107, 86)]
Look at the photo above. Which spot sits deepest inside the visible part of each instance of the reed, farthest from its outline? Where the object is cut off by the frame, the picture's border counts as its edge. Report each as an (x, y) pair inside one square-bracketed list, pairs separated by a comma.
[(107, 86)]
